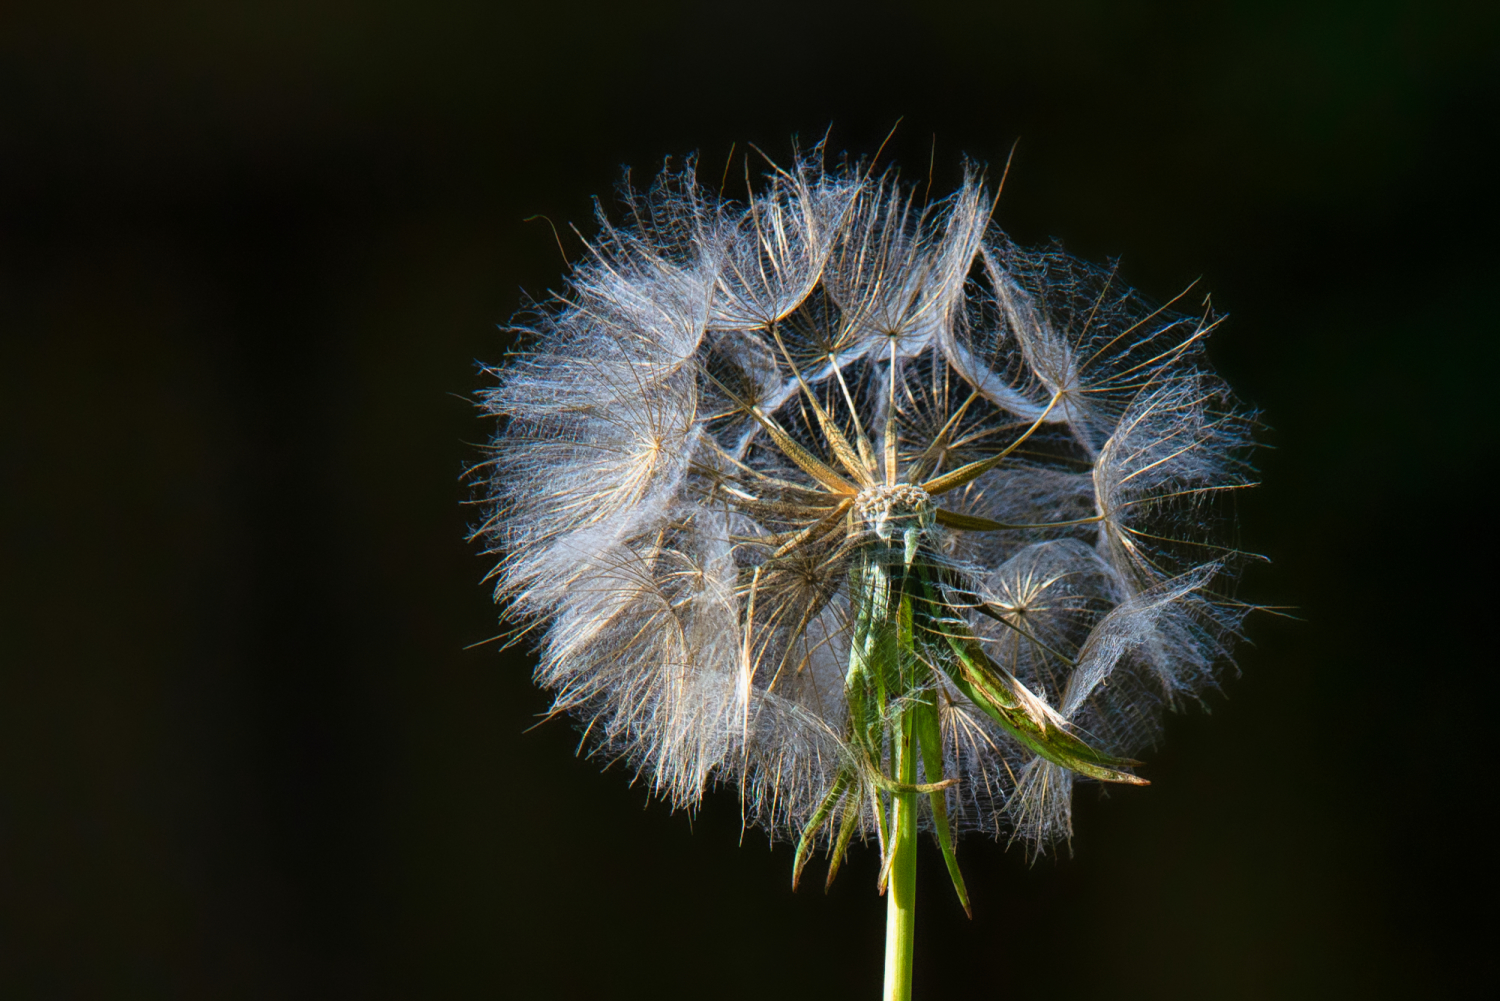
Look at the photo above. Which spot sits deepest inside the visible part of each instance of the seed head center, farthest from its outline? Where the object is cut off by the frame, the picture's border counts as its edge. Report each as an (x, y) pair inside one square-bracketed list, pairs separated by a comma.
[(884, 502)]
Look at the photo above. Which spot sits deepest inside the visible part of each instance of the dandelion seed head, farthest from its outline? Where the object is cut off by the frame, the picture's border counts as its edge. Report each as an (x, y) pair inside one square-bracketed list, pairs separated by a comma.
[(737, 405)]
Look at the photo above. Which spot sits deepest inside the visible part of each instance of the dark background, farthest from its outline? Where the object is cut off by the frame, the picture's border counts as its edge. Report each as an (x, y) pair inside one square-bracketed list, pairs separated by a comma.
[(248, 255)]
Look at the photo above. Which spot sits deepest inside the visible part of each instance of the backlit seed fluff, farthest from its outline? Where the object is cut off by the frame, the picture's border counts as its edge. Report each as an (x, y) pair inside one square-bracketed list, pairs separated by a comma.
[(730, 399)]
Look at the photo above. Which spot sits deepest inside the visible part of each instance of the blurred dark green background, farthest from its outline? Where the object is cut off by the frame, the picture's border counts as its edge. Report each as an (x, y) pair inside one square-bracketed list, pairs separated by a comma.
[(248, 255)]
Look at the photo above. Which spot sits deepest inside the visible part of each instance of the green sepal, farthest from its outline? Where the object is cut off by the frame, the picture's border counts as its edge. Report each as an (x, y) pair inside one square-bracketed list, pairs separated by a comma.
[(976, 677), (883, 832), (904, 641), (853, 805), (819, 818), (885, 783), (990, 687), (930, 735)]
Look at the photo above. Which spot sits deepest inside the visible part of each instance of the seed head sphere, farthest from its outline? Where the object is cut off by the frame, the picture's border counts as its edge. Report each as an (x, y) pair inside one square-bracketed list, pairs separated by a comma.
[(742, 417)]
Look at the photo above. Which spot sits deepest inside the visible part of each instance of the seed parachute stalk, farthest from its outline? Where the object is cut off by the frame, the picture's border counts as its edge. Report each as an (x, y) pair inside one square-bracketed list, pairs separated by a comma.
[(864, 509)]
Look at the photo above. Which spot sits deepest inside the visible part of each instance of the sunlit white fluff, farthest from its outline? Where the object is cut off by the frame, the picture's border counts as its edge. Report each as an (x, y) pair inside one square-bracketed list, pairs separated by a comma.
[(690, 589)]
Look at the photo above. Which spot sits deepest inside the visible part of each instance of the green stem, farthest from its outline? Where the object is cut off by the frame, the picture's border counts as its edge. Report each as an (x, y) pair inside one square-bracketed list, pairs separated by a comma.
[(901, 896)]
